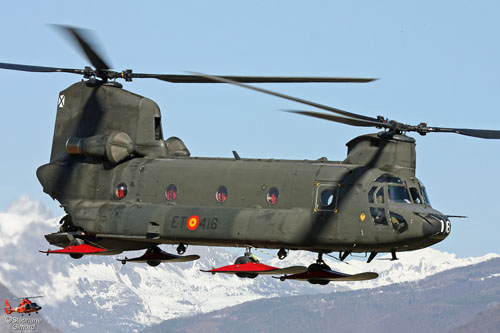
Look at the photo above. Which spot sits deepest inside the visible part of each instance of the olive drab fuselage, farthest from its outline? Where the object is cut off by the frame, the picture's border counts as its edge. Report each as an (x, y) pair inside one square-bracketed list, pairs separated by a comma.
[(126, 188)]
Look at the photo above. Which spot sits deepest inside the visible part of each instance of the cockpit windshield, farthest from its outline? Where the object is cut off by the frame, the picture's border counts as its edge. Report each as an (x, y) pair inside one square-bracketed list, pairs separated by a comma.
[(426, 197), (398, 193), (416, 196), (424, 192)]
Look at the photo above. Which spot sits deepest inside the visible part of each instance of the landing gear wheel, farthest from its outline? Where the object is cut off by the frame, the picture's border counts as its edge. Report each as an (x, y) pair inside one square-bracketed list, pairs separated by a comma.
[(76, 255), (181, 249), (245, 260), (282, 253), (153, 263), (318, 266)]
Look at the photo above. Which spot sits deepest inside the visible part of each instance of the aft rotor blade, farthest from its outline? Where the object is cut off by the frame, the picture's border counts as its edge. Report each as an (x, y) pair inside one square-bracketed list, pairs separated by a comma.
[(477, 133), (82, 37), (174, 78), (39, 69), (343, 120), (291, 98)]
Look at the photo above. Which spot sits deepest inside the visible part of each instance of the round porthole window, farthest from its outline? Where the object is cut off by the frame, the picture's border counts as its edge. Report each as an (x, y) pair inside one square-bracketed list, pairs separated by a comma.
[(171, 192), (120, 191), (221, 194), (326, 198), (272, 196)]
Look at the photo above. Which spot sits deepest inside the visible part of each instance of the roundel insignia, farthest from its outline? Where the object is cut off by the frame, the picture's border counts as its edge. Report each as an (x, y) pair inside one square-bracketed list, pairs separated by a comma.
[(192, 222), (362, 217)]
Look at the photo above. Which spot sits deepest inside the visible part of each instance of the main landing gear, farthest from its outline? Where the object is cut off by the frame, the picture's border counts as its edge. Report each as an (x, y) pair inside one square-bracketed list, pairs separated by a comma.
[(245, 259), (181, 249), (318, 266), (282, 254)]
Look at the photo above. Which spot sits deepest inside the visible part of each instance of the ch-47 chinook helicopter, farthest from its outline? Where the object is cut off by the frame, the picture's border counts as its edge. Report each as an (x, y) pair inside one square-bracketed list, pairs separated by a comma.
[(123, 187)]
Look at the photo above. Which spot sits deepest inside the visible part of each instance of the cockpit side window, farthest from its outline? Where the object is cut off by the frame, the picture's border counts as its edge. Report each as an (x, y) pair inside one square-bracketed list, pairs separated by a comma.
[(370, 194), (380, 196), (398, 222), (415, 195), (376, 198), (378, 215)]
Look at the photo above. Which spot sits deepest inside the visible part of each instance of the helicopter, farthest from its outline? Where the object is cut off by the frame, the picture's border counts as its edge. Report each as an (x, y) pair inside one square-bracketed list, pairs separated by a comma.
[(25, 306), (124, 188)]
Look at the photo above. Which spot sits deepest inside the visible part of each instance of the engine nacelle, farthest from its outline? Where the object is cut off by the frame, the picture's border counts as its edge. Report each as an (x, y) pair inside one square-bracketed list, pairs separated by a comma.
[(113, 147)]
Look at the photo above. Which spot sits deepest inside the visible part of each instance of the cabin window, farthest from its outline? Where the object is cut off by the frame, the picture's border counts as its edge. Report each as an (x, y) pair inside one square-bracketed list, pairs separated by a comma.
[(378, 215), (120, 191), (415, 195), (398, 194), (326, 198), (158, 130), (221, 194), (272, 196), (171, 192)]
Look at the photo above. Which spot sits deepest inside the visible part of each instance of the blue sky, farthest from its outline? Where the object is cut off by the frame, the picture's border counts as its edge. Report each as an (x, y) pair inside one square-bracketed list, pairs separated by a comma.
[(438, 62)]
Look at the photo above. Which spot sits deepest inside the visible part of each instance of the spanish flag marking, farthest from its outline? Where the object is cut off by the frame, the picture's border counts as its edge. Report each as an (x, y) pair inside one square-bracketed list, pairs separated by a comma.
[(192, 222)]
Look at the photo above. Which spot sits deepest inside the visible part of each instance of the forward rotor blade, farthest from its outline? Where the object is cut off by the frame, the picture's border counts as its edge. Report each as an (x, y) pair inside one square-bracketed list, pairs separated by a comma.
[(251, 79), (343, 120), (295, 99), (39, 69), (82, 37), (477, 133)]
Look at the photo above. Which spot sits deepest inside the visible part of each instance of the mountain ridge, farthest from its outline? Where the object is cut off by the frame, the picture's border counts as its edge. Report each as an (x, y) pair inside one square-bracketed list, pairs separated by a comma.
[(464, 299)]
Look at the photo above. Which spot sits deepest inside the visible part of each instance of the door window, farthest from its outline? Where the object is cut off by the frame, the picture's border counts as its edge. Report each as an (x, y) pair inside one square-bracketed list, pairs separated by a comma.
[(326, 197)]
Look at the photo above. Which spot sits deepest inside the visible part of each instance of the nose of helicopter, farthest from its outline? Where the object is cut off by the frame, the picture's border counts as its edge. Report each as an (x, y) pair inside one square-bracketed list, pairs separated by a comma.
[(436, 226)]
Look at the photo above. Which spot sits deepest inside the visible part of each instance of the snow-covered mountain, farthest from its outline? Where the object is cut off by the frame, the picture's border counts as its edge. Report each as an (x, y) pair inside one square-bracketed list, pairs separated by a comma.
[(99, 293)]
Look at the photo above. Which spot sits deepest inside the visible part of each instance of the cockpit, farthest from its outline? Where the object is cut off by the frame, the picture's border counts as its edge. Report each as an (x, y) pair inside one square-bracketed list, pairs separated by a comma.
[(32, 306), (394, 202), (397, 191), (388, 197)]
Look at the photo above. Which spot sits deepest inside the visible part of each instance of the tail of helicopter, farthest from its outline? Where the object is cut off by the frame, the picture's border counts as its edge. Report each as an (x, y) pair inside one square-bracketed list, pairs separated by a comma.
[(101, 120), (8, 309)]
